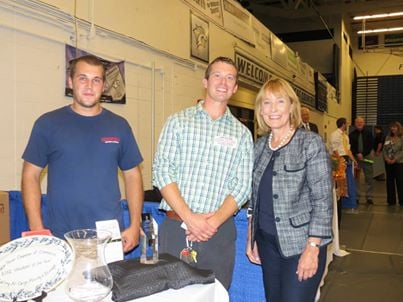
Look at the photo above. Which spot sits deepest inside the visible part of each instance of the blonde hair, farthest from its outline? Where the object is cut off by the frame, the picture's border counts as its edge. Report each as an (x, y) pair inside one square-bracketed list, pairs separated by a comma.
[(278, 87)]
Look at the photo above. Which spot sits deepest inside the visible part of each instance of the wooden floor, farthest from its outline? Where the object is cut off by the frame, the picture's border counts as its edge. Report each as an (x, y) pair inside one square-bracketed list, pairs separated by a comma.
[(373, 271)]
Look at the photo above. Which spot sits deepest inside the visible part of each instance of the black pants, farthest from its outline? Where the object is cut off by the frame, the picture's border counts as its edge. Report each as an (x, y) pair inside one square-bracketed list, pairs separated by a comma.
[(281, 282), (394, 182), (216, 254)]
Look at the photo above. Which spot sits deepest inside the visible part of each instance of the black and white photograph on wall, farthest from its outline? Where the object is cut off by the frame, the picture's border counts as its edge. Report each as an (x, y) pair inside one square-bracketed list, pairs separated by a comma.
[(115, 90), (199, 38)]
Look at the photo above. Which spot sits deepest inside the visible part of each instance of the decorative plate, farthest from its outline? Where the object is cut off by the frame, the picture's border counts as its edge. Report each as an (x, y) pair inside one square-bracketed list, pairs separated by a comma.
[(32, 265)]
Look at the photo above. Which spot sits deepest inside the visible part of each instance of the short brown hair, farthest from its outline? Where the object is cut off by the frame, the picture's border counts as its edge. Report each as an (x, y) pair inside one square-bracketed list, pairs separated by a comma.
[(278, 87), (223, 60), (89, 59), (341, 121)]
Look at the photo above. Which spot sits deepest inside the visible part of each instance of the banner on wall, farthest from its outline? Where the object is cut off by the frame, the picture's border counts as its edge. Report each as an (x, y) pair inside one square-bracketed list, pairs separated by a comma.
[(292, 61), (237, 21), (279, 52), (209, 8), (251, 70), (306, 71), (227, 13), (115, 90), (262, 37)]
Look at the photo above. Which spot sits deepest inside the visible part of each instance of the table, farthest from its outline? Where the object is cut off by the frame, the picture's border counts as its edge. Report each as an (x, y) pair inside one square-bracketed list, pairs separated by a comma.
[(246, 274), (195, 293)]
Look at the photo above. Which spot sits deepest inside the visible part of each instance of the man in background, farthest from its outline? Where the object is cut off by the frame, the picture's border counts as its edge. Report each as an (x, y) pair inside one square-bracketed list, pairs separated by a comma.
[(203, 167), (83, 145), (339, 142), (306, 124), (362, 144), (339, 146)]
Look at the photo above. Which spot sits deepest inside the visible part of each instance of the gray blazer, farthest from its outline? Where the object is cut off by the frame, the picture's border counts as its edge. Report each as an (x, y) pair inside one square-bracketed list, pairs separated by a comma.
[(302, 191)]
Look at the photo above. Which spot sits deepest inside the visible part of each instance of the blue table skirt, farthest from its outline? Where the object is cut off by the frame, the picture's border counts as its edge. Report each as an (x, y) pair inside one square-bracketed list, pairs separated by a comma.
[(247, 283)]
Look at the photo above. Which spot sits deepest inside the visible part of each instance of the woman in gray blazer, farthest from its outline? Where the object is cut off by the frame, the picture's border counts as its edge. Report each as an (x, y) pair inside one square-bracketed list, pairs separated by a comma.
[(290, 213), (393, 156)]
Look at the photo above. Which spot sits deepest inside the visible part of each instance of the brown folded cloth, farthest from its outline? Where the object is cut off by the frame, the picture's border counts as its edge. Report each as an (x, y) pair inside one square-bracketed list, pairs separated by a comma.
[(132, 279)]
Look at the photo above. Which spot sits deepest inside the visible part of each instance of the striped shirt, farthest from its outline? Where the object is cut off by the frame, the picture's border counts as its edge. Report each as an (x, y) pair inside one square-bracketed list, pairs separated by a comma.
[(208, 159)]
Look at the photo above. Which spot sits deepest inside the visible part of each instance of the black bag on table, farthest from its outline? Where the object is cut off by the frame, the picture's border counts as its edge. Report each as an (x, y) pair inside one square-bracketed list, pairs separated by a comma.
[(132, 279)]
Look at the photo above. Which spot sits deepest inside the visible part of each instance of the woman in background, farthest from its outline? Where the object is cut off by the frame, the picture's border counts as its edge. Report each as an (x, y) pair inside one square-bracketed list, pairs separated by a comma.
[(290, 220), (393, 155)]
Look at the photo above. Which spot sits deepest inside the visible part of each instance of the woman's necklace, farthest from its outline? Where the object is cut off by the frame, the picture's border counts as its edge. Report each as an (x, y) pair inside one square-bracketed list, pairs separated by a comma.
[(283, 139)]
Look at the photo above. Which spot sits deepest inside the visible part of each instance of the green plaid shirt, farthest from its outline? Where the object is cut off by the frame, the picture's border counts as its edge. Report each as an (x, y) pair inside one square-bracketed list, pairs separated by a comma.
[(208, 159)]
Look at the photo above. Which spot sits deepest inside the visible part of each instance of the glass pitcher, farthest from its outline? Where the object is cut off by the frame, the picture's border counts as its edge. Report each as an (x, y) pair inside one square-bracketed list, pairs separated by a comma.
[(90, 279)]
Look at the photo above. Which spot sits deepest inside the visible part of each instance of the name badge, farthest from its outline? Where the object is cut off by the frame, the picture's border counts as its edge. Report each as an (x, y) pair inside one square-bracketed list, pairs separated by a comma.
[(225, 141), (114, 248)]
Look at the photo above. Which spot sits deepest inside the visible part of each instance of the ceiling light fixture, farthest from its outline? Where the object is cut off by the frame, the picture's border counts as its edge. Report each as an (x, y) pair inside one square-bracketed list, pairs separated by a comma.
[(379, 16), (380, 30)]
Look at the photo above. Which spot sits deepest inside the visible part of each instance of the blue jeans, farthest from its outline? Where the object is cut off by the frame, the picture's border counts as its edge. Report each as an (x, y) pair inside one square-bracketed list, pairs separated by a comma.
[(281, 282)]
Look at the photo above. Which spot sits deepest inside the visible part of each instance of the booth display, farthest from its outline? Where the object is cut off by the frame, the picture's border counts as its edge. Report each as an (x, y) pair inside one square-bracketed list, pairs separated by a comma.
[(246, 274)]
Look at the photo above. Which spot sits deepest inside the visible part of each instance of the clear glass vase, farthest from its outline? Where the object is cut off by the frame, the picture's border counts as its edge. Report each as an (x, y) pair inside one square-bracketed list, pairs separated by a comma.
[(90, 279)]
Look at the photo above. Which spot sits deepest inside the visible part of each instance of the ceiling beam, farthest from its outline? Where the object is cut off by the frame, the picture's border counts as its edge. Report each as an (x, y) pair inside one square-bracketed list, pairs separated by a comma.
[(350, 8)]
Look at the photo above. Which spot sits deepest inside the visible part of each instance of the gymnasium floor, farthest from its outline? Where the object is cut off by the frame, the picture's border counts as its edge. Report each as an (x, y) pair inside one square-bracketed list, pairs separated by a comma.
[(373, 271)]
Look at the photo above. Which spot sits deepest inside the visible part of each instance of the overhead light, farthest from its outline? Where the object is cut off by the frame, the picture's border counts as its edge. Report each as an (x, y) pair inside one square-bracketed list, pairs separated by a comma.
[(379, 16), (379, 30)]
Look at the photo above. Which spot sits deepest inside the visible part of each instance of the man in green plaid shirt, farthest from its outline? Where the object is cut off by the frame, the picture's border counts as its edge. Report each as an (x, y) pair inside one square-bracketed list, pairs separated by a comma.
[(203, 167)]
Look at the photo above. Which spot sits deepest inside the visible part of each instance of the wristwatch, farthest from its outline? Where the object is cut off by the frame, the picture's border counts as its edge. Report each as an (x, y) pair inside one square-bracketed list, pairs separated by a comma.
[(313, 244)]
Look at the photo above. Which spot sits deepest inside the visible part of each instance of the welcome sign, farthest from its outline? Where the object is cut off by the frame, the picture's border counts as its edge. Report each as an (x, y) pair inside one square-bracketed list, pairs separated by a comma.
[(251, 70)]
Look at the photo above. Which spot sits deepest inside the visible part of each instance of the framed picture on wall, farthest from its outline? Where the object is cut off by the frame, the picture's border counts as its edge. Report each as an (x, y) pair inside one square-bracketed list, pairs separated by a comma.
[(199, 38)]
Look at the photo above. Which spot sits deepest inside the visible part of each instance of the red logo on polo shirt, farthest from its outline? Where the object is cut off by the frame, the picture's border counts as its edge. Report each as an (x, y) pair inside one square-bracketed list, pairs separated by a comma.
[(110, 140)]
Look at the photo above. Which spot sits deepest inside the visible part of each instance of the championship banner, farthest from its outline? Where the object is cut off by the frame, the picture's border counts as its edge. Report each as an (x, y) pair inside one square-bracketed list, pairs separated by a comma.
[(262, 37), (279, 51), (209, 8), (237, 21)]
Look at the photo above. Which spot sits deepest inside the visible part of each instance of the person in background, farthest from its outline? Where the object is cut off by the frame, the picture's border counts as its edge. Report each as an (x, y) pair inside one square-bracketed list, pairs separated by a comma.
[(379, 140), (291, 208), (362, 144), (379, 167), (393, 155), (339, 146), (83, 145), (306, 124), (203, 168), (339, 142)]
